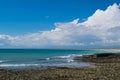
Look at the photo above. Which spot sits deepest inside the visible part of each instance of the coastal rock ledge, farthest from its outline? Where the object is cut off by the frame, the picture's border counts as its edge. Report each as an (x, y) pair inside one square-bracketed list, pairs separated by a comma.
[(100, 58)]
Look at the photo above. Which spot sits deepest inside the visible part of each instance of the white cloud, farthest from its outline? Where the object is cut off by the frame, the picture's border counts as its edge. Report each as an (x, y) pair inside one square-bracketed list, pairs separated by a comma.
[(99, 30)]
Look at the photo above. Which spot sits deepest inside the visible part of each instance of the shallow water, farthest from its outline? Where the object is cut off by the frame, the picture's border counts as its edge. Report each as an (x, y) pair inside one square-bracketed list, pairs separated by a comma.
[(41, 58)]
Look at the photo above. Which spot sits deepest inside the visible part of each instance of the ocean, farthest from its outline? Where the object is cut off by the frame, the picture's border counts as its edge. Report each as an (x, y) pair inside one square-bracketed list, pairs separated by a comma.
[(43, 58)]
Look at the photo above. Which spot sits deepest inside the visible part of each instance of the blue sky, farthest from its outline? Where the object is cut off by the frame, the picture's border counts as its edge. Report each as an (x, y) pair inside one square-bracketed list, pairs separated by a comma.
[(59, 23), (18, 17)]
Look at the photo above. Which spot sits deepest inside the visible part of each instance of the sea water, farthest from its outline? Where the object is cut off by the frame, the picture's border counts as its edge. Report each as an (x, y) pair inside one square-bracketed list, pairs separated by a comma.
[(42, 58)]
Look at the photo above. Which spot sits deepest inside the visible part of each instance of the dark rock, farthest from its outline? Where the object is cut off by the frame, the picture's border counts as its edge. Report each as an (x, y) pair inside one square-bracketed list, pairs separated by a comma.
[(100, 57)]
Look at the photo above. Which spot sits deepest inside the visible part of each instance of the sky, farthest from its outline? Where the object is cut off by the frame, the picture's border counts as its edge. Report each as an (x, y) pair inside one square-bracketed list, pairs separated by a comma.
[(59, 24)]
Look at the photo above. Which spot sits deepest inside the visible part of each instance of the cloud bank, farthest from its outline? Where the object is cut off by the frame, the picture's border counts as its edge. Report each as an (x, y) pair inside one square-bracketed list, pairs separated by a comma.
[(99, 31)]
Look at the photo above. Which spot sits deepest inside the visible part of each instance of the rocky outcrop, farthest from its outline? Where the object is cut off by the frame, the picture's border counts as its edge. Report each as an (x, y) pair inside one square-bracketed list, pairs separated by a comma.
[(101, 57)]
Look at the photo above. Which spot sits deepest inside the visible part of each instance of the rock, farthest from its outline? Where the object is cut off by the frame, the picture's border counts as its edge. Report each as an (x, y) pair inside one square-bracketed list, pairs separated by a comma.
[(100, 57)]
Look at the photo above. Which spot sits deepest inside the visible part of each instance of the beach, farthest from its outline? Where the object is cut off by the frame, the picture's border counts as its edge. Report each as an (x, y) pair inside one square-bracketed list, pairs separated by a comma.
[(59, 40), (106, 68), (43, 58)]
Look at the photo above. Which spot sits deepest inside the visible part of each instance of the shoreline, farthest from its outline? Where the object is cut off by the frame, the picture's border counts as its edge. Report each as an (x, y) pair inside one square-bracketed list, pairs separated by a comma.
[(107, 68)]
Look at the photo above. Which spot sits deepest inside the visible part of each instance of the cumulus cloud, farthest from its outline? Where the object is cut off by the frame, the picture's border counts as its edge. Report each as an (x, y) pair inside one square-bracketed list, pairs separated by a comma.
[(99, 30)]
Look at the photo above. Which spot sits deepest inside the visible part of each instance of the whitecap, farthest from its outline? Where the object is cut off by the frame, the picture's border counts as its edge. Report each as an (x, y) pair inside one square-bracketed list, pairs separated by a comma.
[(68, 58), (47, 58), (17, 65), (3, 61)]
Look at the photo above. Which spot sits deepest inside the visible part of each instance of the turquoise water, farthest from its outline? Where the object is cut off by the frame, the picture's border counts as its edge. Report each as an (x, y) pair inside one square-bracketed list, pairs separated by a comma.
[(27, 58)]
